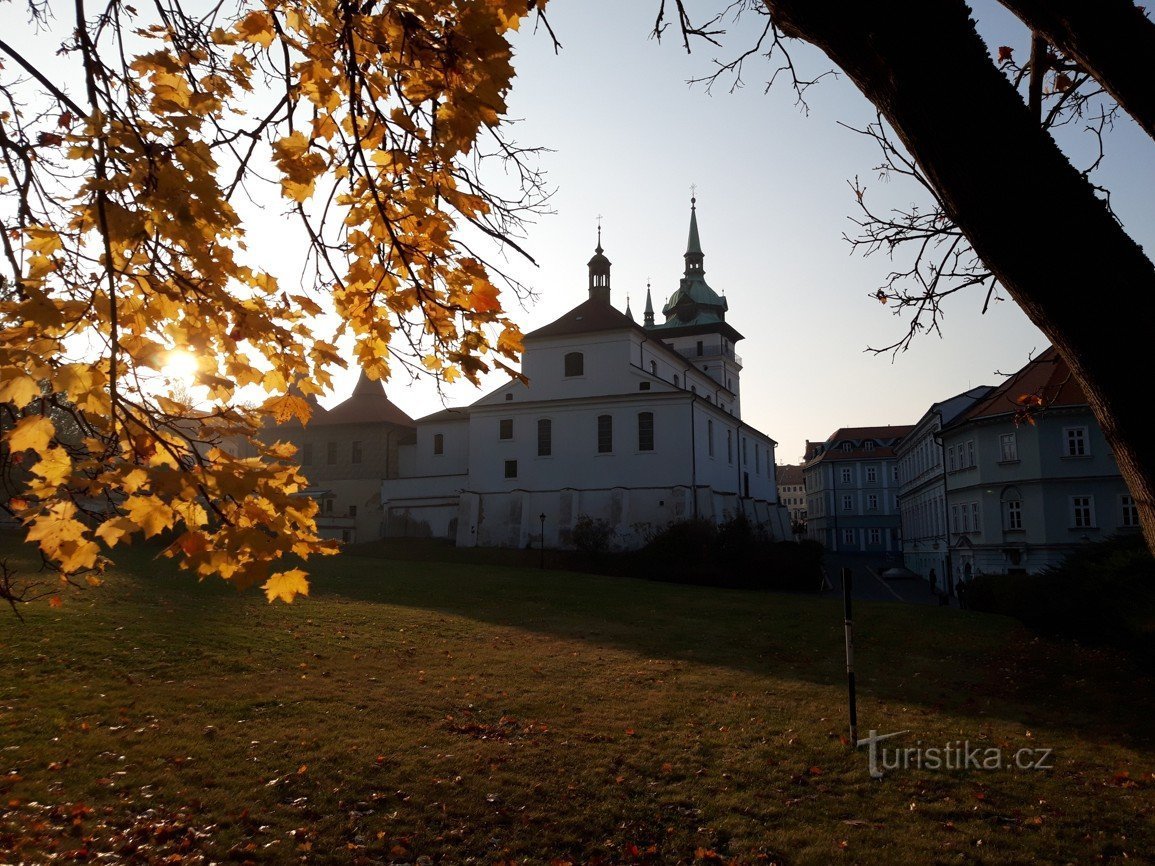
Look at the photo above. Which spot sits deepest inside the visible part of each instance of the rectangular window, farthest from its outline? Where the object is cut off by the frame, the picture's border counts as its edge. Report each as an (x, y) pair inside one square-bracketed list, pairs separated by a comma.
[(510, 468), (575, 363), (331, 453), (876, 536), (1130, 510), (872, 502), (1008, 447), (710, 437), (605, 434), (352, 510), (1076, 441), (307, 454), (730, 446), (1082, 512), (645, 431), (356, 452), (700, 348), (643, 386), (894, 471), (848, 537), (950, 459), (970, 453), (845, 474), (1014, 514), (955, 521), (505, 428), (438, 443), (327, 506), (871, 474), (848, 502), (975, 525), (544, 437)]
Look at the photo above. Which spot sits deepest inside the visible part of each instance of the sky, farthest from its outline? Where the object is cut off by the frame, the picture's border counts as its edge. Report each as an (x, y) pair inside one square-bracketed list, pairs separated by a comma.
[(628, 138)]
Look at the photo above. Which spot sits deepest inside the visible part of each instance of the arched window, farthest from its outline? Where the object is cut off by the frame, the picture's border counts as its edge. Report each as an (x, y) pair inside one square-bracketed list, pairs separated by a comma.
[(677, 381), (654, 367), (575, 364), (438, 443)]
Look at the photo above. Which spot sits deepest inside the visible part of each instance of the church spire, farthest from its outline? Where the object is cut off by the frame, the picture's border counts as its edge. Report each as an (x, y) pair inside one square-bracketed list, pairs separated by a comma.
[(694, 255), (629, 312), (649, 312), (599, 268)]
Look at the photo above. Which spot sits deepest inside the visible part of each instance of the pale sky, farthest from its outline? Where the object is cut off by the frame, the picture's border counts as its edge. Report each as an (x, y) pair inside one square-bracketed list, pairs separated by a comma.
[(629, 138)]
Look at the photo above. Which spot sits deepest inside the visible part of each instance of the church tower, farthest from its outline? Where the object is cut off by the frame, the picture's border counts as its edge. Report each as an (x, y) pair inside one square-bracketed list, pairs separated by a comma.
[(696, 325), (599, 267)]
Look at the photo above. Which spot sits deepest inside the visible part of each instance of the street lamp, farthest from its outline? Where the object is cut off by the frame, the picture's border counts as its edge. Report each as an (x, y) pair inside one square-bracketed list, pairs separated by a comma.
[(541, 517)]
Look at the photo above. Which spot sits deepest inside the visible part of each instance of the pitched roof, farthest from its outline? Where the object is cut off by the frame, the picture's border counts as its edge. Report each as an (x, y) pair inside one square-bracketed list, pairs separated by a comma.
[(788, 473), (368, 404), (588, 317), (851, 434), (1046, 377)]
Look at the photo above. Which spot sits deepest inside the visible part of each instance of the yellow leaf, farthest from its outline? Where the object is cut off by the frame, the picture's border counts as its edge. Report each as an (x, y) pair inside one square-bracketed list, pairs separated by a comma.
[(286, 585), (114, 529), (54, 466), (151, 514), (256, 27), (18, 388), (33, 432)]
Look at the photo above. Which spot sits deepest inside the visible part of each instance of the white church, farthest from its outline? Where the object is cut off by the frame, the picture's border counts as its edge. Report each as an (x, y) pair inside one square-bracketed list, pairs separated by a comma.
[(638, 425)]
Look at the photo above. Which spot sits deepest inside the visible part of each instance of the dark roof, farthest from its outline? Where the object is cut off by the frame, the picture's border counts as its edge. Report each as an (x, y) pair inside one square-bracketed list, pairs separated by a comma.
[(1047, 378), (833, 450), (788, 474), (368, 404), (449, 414), (588, 317)]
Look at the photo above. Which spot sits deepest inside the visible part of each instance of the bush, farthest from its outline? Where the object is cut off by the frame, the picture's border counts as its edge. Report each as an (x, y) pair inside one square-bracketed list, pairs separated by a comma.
[(734, 554), (592, 535), (1103, 593)]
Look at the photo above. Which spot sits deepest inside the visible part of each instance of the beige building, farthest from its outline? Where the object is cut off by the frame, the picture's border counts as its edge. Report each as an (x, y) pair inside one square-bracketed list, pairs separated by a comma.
[(792, 492), (346, 452)]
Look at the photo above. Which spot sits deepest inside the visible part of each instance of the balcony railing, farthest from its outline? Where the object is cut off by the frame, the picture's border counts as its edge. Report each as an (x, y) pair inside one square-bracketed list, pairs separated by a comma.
[(714, 351)]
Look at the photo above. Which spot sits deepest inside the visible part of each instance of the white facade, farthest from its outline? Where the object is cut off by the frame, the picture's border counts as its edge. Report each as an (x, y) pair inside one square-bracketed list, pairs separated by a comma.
[(618, 422)]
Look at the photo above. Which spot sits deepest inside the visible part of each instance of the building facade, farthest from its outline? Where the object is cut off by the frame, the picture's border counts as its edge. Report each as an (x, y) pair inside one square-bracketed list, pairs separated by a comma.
[(1029, 475), (922, 500), (792, 495), (637, 425), (851, 482)]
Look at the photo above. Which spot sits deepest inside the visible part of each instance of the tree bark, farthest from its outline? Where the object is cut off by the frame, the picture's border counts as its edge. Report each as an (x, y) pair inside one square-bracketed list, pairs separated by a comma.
[(1111, 39), (1080, 278)]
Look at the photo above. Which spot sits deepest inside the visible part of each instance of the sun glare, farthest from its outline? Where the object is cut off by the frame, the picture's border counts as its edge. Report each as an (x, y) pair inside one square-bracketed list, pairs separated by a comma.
[(180, 367)]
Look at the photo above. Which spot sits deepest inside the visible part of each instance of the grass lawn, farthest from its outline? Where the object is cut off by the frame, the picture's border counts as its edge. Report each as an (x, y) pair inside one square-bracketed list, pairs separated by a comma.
[(451, 713)]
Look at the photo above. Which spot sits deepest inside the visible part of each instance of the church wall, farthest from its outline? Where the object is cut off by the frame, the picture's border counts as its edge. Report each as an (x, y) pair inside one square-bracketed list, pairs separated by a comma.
[(454, 459)]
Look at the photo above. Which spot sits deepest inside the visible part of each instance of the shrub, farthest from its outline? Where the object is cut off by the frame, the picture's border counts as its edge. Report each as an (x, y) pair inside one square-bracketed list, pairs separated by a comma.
[(1103, 593), (734, 554), (592, 535)]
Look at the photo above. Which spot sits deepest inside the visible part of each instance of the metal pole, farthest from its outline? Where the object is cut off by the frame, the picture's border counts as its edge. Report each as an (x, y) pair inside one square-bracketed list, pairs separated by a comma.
[(541, 563), (849, 626)]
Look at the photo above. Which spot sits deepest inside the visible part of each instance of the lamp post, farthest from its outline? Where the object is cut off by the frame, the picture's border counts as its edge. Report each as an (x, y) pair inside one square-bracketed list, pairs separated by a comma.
[(541, 563)]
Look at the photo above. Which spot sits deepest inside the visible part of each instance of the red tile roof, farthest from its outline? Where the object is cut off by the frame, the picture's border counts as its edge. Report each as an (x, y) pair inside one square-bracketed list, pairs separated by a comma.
[(834, 451), (1046, 377)]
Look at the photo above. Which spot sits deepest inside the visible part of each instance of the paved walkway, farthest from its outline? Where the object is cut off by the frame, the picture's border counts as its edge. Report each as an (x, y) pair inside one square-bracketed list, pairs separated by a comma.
[(866, 585)]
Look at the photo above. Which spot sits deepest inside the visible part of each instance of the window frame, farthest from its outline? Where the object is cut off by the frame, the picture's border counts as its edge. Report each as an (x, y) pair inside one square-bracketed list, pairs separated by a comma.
[(646, 431), (574, 365), (605, 434)]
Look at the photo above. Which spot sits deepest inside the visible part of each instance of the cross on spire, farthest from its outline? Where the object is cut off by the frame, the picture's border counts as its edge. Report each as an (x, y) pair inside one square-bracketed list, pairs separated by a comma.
[(693, 194)]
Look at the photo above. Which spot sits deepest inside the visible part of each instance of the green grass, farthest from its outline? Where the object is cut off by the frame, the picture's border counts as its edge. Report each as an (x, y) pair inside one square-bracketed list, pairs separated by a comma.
[(475, 713)]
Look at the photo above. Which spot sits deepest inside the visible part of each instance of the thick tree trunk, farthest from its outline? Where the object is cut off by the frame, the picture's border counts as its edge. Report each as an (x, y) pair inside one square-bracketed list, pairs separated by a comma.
[(1079, 277), (1111, 39)]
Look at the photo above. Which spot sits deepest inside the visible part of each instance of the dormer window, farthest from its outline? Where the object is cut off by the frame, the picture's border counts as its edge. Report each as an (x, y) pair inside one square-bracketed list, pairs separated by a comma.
[(847, 446), (574, 364), (868, 445)]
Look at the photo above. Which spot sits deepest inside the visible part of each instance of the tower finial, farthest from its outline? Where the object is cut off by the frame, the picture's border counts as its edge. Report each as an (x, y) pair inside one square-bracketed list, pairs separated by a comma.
[(599, 246), (693, 195)]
